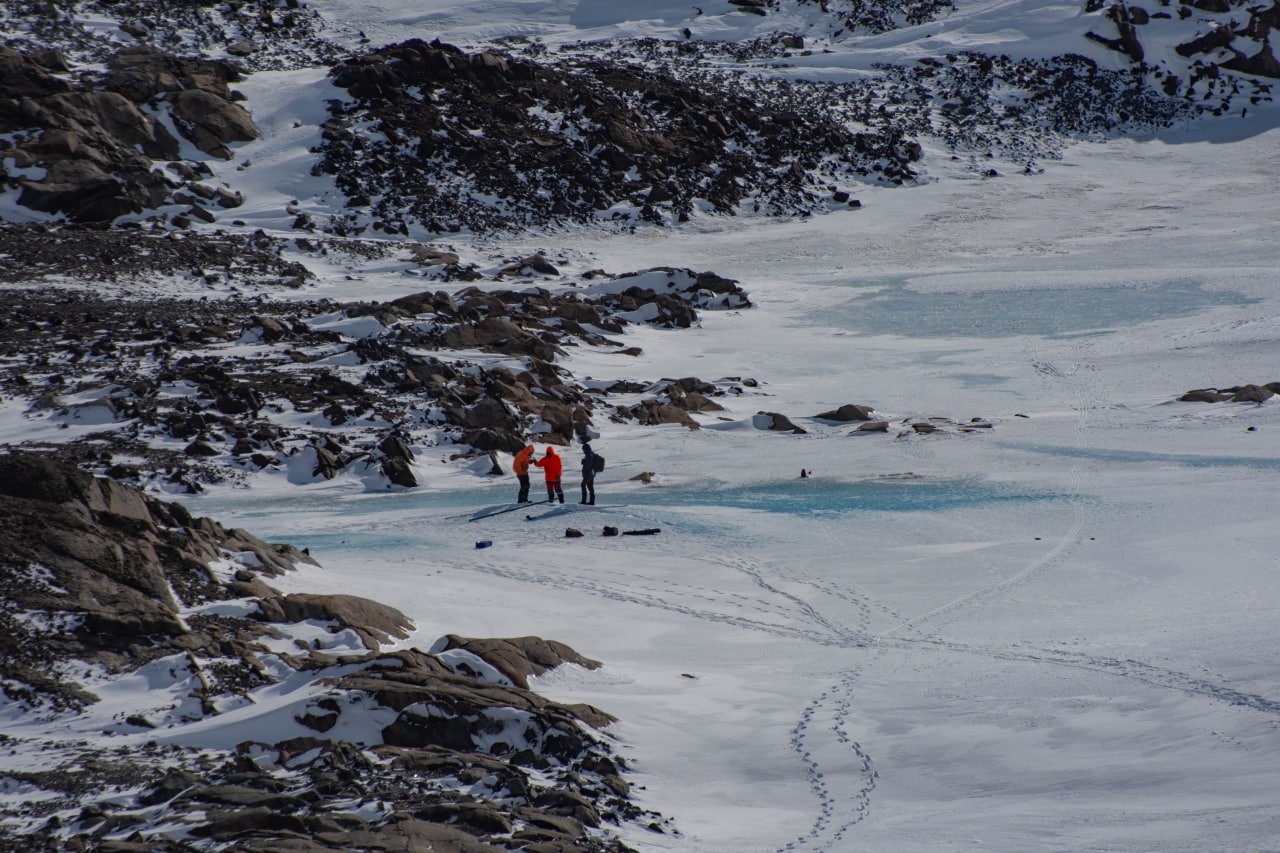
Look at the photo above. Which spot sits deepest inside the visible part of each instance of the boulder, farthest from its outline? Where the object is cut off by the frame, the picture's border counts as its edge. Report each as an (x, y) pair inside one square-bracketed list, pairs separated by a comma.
[(23, 77), (1204, 395), (518, 658), (100, 200), (211, 122), (399, 472), (579, 312), (847, 412), (488, 440), (141, 73), (430, 256), (779, 423), (1263, 63), (530, 264), (377, 624), (1251, 394), (655, 412), (427, 302), (692, 401)]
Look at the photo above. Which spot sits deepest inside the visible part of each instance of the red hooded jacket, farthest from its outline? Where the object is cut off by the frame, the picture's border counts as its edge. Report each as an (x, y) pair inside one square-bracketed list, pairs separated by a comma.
[(550, 465)]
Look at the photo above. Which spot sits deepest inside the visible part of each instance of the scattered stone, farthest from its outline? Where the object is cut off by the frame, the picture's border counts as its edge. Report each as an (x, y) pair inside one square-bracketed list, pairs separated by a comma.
[(1234, 394), (778, 423), (847, 412)]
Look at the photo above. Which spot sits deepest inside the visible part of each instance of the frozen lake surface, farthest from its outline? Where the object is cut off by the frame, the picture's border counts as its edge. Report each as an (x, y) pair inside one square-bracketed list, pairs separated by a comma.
[(895, 308)]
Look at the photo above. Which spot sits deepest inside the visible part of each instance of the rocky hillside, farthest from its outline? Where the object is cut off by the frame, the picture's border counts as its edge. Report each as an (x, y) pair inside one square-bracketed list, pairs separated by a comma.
[(196, 391), (123, 614), (106, 124), (451, 140)]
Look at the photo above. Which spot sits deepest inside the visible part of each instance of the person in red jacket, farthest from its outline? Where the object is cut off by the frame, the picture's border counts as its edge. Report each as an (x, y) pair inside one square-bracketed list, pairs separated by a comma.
[(551, 467), (521, 467)]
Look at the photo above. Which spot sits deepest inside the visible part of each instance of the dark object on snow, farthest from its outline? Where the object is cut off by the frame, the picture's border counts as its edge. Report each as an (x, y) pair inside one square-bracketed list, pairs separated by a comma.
[(648, 531), (847, 412), (484, 543), (572, 533), (609, 531)]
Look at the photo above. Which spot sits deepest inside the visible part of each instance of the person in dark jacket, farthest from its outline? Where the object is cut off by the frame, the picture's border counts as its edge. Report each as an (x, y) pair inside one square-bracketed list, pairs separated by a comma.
[(551, 469), (588, 474)]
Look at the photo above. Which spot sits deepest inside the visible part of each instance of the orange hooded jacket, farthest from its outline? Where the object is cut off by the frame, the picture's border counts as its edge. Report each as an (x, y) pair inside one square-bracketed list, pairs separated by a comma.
[(550, 465), (523, 458)]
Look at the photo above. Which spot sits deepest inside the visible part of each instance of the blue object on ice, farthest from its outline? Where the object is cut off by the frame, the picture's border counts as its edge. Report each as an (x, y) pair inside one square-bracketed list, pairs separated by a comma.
[(484, 543)]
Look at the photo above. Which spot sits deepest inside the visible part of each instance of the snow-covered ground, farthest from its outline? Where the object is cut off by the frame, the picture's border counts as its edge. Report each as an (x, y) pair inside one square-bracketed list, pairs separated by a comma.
[(1059, 634), (1056, 635)]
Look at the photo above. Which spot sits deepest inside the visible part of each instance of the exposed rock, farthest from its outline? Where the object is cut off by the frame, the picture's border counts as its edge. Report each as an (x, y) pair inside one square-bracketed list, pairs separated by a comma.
[(78, 545), (1213, 39), (111, 565), (95, 142), (531, 264), (519, 657), (1127, 42), (847, 412), (1204, 395), (655, 412), (1263, 63), (1234, 394), (1251, 394), (665, 147), (212, 123), (779, 423), (377, 624)]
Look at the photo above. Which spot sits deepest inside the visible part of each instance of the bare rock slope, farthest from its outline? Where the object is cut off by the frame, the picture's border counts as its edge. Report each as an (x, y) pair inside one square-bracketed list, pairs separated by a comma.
[(105, 586)]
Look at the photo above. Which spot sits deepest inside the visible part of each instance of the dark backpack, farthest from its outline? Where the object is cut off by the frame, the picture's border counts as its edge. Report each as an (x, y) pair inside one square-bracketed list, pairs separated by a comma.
[(597, 464)]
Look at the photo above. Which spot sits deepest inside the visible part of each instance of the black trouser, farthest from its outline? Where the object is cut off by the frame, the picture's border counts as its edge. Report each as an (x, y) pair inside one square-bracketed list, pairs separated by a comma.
[(589, 486), (554, 491), (524, 488)]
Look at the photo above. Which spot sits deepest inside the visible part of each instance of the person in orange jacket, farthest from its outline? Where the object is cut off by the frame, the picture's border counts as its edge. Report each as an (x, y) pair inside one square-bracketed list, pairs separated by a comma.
[(521, 467), (551, 467)]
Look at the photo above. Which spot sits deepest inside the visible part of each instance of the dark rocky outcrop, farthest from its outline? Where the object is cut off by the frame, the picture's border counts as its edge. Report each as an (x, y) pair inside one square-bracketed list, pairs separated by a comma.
[(631, 137), (779, 423), (113, 564), (518, 658), (934, 426), (1233, 394), (847, 412), (230, 426), (118, 580), (98, 138)]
